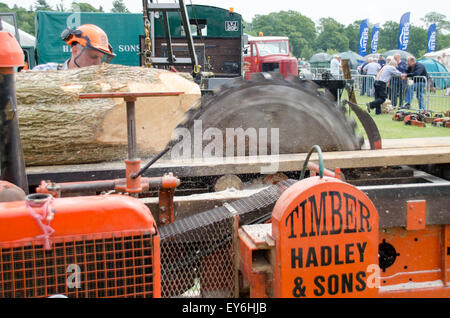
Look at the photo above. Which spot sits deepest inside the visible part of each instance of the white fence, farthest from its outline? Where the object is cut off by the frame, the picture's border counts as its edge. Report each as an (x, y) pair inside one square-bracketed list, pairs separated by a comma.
[(418, 93), (431, 94), (438, 92)]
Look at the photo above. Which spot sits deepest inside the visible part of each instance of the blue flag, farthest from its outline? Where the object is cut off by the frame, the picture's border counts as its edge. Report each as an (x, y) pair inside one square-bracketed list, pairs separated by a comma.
[(431, 46), (403, 33), (363, 37), (375, 33)]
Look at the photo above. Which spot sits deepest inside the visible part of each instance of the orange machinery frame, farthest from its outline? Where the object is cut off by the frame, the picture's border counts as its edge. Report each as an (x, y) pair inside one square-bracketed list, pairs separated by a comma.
[(416, 264)]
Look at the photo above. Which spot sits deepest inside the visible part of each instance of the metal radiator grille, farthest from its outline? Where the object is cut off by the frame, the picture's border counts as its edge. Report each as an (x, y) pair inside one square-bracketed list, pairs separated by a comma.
[(108, 267), (197, 254)]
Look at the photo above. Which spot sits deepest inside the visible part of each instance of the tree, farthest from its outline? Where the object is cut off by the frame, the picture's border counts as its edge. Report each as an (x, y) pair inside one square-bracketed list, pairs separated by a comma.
[(25, 18), (119, 6), (332, 36), (352, 33), (85, 7), (4, 7), (42, 5), (60, 7), (442, 24), (417, 44), (299, 28), (387, 38)]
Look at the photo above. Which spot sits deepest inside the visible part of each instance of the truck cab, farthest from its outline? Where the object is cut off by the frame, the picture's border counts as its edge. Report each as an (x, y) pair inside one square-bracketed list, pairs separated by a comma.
[(269, 54)]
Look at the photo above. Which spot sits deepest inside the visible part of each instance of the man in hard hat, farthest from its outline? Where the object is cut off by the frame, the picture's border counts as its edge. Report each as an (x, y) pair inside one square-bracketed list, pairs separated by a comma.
[(89, 45)]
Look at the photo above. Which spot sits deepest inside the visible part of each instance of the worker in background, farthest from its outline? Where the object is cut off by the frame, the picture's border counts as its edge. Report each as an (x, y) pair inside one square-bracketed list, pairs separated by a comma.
[(371, 69), (419, 74), (364, 80), (335, 66), (89, 45), (397, 85), (383, 77)]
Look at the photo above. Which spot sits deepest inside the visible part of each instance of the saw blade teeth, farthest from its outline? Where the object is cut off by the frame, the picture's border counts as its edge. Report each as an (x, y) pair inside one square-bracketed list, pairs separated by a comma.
[(311, 86), (227, 107)]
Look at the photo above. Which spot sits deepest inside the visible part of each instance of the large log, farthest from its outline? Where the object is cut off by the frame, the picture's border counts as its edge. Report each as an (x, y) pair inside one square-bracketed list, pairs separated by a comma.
[(57, 127)]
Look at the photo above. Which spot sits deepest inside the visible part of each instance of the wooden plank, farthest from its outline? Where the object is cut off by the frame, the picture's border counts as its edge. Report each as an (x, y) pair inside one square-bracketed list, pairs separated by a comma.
[(438, 152), (240, 165), (413, 142)]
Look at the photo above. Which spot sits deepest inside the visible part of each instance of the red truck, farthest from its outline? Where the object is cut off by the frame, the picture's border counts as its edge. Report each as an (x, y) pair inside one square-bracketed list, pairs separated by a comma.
[(269, 54)]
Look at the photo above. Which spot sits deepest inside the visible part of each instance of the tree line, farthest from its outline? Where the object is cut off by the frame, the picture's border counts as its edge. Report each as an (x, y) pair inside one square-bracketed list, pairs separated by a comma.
[(330, 36), (305, 36), (26, 17)]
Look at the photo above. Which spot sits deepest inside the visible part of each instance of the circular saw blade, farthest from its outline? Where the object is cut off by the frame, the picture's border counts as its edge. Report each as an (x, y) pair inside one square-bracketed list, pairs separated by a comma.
[(285, 117)]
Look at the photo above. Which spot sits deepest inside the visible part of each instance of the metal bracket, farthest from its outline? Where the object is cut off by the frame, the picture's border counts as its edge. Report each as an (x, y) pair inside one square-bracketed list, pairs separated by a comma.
[(416, 211)]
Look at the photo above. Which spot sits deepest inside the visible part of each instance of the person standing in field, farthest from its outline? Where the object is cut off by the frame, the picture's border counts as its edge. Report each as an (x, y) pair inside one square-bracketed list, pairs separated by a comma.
[(383, 77)]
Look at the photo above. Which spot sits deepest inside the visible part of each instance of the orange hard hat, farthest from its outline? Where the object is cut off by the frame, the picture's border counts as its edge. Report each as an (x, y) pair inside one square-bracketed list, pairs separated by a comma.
[(90, 36)]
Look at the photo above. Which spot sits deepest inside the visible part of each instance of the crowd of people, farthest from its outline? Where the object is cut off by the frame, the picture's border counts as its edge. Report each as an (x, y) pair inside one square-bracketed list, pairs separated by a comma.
[(395, 79), (90, 46)]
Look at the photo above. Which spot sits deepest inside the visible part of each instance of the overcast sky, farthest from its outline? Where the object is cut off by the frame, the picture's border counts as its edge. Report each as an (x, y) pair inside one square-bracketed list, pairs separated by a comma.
[(346, 12)]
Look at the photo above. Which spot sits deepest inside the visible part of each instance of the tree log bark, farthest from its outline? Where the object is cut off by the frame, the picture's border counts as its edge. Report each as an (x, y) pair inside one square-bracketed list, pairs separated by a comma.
[(57, 127)]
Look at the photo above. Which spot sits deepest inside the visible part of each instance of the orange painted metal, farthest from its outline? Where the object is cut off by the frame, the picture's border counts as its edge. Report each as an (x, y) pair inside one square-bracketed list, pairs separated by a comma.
[(417, 123), (446, 255), (11, 54), (169, 182), (156, 266), (166, 214), (112, 240), (377, 144), (319, 252), (416, 211), (133, 185), (421, 263), (166, 185), (77, 216), (326, 237), (257, 277), (119, 185), (314, 169)]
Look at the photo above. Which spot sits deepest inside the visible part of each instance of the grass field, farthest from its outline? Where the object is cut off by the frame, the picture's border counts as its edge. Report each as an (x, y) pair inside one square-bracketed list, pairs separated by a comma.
[(390, 129)]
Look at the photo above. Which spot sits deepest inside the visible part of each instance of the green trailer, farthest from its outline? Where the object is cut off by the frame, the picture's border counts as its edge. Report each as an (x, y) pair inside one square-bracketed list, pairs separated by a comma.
[(123, 30), (217, 35)]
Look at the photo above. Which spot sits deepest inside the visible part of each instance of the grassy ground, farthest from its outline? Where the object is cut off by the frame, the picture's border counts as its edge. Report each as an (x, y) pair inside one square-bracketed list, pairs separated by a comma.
[(391, 129)]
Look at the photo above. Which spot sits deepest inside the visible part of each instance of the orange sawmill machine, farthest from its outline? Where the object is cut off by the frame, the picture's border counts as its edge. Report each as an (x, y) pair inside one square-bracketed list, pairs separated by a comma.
[(314, 237)]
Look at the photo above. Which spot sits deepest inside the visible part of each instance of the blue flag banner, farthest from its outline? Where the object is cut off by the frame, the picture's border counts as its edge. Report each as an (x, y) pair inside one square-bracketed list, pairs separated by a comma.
[(363, 37), (375, 33), (431, 46), (403, 33)]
